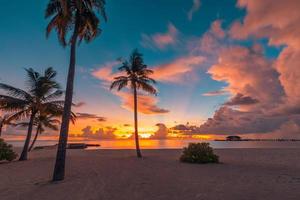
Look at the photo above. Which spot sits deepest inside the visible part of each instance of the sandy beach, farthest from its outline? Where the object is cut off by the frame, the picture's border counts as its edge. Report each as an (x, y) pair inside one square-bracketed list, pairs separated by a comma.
[(118, 175)]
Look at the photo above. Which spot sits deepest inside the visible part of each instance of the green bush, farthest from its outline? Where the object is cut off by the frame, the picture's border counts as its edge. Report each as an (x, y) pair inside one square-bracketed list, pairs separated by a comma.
[(199, 153), (6, 152)]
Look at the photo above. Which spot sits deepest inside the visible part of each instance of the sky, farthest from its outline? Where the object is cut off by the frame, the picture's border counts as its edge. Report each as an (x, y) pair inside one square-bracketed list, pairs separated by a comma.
[(222, 66)]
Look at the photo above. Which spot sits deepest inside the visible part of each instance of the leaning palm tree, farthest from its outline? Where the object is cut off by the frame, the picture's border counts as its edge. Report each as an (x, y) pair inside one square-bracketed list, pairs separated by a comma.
[(42, 94), (46, 120), (41, 122), (136, 77), (5, 120), (80, 17)]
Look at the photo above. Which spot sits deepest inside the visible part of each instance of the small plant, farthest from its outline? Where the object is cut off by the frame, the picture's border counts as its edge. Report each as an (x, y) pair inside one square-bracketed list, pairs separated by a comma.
[(199, 153), (6, 152)]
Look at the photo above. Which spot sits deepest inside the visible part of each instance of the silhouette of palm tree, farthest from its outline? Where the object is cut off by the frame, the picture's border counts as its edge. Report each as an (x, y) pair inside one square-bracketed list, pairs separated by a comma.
[(42, 93), (136, 77), (79, 16)]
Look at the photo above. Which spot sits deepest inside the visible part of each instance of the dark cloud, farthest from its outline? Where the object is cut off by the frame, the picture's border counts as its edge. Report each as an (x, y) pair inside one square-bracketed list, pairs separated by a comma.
[(241, 99), (90, 116), (229, 121), (101, 133)]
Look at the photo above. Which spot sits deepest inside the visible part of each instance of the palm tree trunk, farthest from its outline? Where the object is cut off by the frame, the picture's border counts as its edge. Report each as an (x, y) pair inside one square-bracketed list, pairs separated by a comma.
[(28, 137), (1, 126), (136, 132), (34, 139), (59, 169)]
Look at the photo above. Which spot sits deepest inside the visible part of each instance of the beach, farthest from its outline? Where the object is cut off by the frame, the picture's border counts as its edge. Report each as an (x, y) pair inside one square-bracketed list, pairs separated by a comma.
[(243, 174)]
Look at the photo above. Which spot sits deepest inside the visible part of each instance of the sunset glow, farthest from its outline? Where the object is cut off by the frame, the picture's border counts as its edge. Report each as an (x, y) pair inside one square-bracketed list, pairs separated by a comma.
[(221, 68)]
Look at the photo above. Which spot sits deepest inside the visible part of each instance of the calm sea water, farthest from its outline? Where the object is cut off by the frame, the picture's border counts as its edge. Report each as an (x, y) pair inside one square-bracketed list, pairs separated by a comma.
[(169, 143)]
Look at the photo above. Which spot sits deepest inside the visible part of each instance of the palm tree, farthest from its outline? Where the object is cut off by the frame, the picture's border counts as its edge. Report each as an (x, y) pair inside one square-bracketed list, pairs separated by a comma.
[(136, 77), (80, 17), (5, 120), (41, 122), (46, 120), (42, 93)]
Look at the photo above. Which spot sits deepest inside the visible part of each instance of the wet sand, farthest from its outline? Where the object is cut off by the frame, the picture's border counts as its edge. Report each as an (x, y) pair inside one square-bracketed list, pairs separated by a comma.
[(244, 174)]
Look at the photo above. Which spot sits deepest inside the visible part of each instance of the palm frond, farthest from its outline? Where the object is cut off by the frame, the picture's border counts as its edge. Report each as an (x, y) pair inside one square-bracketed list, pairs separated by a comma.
[(119, 84), (12, 104), (15, 92), (146, 87)]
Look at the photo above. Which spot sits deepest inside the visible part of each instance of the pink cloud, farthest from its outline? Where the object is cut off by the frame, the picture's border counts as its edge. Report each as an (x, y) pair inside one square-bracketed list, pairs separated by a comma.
[(278, 21), (249, 74), (265, 93), (146, 104), (105, 72), (178, 70), (161, 40), (211, 42)]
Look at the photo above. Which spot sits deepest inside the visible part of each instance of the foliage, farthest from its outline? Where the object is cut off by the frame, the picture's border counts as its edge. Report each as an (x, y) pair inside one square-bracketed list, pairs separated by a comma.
[(137, 75), (6, 152), (41, 95), (81, 16), (199, 153)]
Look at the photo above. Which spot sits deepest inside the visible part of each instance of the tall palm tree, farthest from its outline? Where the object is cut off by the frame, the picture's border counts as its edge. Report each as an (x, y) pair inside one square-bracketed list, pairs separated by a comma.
[(42, 94), (137, 76), (80, 17), (5, 120)]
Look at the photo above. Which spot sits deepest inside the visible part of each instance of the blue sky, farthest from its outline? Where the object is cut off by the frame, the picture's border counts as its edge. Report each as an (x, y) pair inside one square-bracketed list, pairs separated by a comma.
[(23, 45)]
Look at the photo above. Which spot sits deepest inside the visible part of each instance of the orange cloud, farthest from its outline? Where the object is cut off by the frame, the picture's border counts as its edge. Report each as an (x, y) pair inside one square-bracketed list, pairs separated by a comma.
[(178, 70), (146, 104), (249, 76), (161, 40), (278, 21)]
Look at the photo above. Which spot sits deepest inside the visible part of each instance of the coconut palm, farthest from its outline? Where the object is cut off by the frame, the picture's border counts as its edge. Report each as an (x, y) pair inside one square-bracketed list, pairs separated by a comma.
[(46, 120), (136, 77), (41, 96), (41, 122), (80, 17), (5, 120)]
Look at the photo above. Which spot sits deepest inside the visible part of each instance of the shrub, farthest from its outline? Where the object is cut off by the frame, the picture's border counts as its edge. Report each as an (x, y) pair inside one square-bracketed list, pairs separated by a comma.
[(199, 153), (6, 152)]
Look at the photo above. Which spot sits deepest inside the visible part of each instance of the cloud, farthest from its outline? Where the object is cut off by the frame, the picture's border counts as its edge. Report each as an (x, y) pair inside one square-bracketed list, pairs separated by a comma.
[(211, 42), (90, 116), (241, 99), (229, 121), (179, 70), (215, 93), (161, 133), (161, 40), (288, 130), (146, 104), (278, 21), (249, 74), (101, 133), (105, 72), (255, 89), (265, 93), (194, 8)]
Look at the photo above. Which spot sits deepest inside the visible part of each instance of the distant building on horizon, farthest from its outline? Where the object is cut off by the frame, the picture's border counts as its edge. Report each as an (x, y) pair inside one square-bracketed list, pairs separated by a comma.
[(233, 138)]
